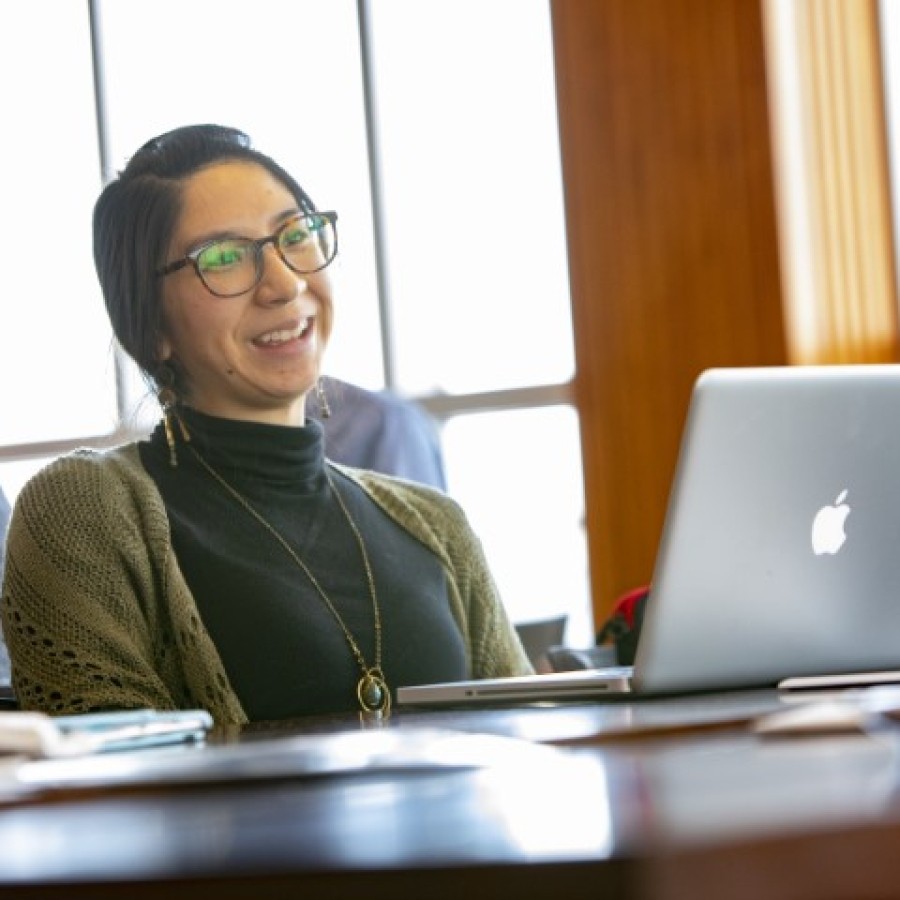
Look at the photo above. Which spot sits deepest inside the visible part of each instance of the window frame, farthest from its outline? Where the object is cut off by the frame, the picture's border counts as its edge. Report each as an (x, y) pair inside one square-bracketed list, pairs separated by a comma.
[(441, 406)]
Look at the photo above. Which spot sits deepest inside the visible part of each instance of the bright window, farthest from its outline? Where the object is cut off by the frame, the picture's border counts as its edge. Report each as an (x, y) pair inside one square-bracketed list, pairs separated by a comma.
[(473, 194), (56, 360)]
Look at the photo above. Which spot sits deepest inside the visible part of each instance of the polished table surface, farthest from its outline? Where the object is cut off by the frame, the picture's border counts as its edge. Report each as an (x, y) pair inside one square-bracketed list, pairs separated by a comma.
[(657, 798)]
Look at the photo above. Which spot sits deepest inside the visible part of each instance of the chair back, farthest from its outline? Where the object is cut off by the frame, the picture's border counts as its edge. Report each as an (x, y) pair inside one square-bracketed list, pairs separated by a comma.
[(538, 636)]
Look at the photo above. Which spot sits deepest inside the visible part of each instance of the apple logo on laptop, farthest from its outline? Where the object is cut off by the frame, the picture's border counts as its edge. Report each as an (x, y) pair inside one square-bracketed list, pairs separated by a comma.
[(828, 533)]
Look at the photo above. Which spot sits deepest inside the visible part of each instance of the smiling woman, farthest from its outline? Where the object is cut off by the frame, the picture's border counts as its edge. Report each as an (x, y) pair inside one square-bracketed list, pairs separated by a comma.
[(225, 563)]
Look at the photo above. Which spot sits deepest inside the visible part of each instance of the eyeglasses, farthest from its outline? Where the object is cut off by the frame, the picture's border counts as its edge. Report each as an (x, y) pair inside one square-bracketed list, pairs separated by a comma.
[(227, 267)]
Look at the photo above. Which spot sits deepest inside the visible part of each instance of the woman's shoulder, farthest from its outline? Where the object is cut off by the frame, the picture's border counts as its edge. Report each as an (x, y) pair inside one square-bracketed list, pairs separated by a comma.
[(402, 491), (428, 513), (92, 498), (86, 464)]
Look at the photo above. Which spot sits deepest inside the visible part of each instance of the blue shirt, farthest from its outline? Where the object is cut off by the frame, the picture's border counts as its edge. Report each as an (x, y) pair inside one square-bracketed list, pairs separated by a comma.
[(380, 431), (4, 525)]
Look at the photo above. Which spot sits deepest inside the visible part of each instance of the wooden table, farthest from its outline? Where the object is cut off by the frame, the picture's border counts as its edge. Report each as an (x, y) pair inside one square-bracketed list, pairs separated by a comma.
[(656, 799)]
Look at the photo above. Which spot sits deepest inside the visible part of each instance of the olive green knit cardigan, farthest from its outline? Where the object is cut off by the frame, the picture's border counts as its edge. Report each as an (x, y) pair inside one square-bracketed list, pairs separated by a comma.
[(97, 613)]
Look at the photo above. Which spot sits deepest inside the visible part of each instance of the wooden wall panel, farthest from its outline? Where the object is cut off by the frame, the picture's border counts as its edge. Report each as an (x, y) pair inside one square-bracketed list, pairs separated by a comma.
[(673, 245), (834, 181)]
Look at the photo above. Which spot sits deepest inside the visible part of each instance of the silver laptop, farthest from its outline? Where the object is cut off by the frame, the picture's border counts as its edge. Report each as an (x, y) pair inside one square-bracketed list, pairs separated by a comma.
[(780, 554)]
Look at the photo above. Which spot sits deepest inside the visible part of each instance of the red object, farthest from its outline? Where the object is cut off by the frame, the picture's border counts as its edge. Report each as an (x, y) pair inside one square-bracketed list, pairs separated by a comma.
[(626, 603)]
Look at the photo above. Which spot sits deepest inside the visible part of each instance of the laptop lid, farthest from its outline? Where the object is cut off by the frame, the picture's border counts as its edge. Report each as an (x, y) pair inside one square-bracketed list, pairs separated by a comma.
[(780, 552)]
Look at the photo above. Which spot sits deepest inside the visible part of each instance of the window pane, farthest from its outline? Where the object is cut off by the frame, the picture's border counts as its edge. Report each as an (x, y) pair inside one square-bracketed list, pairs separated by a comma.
[(288, 73), (473, 193), (518, 476), (13, 475), (56, 360)]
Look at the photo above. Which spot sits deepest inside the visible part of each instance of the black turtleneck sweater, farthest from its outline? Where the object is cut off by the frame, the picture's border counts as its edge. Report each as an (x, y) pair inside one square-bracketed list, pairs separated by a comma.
[(284, 652)]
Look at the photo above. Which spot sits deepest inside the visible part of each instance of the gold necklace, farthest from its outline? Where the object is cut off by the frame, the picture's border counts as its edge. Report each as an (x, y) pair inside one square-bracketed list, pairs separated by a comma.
[(371, 689)]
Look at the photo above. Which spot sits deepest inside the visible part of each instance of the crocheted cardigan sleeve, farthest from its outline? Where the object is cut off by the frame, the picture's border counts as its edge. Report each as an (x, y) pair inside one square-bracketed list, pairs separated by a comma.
[(97, 614), (95, 611)]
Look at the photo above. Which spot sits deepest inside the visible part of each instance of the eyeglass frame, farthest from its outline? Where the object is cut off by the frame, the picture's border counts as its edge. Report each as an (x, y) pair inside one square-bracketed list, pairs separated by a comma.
[(257, 244)]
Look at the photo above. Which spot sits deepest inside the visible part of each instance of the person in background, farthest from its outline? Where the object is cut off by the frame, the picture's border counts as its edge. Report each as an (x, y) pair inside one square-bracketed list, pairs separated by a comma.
[(225, 563), (379, 431), (4, 525)]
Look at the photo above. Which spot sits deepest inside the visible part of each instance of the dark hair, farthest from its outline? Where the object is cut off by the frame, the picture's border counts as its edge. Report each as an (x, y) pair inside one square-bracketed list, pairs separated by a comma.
[(135, 216)]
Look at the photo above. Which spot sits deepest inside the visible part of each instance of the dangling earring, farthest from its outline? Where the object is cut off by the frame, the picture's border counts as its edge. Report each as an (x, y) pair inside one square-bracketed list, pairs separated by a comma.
[(324, 408), (168, 400)]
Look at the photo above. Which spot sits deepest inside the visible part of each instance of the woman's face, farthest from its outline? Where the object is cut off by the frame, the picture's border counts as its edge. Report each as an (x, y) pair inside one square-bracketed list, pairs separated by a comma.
[(254, 356)]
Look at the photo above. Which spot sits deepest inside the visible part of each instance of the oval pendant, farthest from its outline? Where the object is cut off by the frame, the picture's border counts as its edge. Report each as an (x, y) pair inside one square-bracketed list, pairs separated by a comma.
[(373, 693)]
